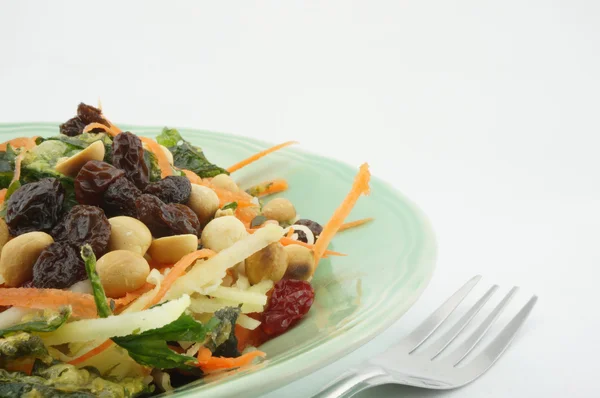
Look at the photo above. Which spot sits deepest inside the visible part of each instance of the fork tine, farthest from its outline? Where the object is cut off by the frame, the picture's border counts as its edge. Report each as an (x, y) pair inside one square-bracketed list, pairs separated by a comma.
[(492, 352), (471, 342), (429, 325), (440, 344)]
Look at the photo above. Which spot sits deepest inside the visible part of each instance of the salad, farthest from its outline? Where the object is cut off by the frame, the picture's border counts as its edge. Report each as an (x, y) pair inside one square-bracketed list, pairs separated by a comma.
[(130, 265)]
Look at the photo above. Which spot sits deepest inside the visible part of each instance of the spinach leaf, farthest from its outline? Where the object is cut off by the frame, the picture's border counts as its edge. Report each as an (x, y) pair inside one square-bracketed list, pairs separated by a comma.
[(188, 156), (87, 254), (7, 166), (84, 140), (48, 321)]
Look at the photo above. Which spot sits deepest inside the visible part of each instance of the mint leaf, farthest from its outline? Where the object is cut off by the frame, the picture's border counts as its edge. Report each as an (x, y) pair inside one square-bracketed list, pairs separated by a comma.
[(48, 321), (231, 205)]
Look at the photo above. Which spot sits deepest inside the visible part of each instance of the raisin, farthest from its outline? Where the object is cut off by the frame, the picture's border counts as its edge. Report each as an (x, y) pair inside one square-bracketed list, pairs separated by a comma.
[(93, 180), (171, 189), (84, 224), (166, 219), (119, 198), (72, 127), (314, 227), (58, 266), (128, 155), (35, 206), (86, 114), (290, 301)]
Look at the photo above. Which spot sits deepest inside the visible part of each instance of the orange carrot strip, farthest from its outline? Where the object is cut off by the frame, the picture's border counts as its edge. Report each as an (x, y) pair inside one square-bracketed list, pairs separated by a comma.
[(20, 142), (18, 161), (268, 187), (215, 363), (204, 355), (3, 195), (246, 214), (259, 155), (91, 353), (83, 305), (359, 187), (178, 270), (290, 233), (24, 365), (163, 162), (95, 125), (193, 177), (354, 224), (130, 296)]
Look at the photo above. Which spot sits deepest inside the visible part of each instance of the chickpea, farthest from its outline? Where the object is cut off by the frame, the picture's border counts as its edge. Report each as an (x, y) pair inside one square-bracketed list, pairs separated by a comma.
[(4, 235), (127, 233), (268, 263), (204, 201), (223, 181), (223, 232), (71, 166), (122, 271), (301, 262), (279, 209), (19, 255), (170, 249)]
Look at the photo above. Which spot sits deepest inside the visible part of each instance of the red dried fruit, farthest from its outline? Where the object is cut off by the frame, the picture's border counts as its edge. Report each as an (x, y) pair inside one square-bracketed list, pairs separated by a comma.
[(171, 189), (166, 219), (93, 180), (84, 224), (35, 206), (128, 155), (290, 301), (120, 197), (58, 266)]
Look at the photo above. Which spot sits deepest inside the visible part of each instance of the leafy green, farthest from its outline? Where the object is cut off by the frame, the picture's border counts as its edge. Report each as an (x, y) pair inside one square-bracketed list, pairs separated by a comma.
[(22, 344), (153, 167), (84, 140), (7, 166), (186, 155), (87, 254), (231, 205), (64, 380), (48, 321), (222, 341)]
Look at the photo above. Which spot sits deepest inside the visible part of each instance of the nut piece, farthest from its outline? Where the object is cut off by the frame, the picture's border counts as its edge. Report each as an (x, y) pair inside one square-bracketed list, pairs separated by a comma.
[(223, 181), (301, 262), (268, 263), (19, 255), (204, 201), (122, 271), (222, 232), (170, 249), (279, 209), (224, 213), (4, 235), (71, 166), (127, 233), (168, 153)]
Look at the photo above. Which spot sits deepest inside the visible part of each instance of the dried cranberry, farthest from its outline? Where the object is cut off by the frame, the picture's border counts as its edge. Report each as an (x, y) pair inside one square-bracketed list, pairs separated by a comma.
[(58, 266), (128, 155), (35, 206), (166, 219), (119, 198), (314, 227), (84, 224), (171, 189), (93, 180), (290, 301)]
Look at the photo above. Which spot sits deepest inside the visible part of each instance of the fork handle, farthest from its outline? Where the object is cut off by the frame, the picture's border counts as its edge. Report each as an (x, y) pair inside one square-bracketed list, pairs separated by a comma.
[(353, 381)]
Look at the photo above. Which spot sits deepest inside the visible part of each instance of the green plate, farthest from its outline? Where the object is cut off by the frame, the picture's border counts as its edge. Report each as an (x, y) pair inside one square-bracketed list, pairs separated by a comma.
[(389, 262)]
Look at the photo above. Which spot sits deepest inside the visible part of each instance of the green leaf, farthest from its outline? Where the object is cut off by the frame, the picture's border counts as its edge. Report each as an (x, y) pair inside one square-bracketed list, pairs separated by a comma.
[(7, 166), (258, 221), (87, 254), (153, 167), (231, 205), (48, 321), (22, 344), (222, 341), (169, 137)]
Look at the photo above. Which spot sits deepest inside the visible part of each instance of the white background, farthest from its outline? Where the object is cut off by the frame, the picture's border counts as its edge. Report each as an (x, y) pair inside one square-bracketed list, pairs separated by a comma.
[(484, 113)]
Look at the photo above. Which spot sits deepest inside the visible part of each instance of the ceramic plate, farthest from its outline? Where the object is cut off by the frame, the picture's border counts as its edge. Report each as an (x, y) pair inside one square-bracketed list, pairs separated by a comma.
[(389, 262)]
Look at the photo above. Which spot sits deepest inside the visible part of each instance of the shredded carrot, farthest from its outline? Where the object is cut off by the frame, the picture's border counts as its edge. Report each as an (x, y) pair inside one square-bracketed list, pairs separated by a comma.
[(130, 296), (95, 125), (204, 355), (24, 365), (20, 142), (193, 177), (178, 270), (163, 162), (268, 187), (246, 214), (2, 195), (92, 353), (259, 155), (18, 161), (83, 305), (354, 224), (359, 187), (216, 363), (290, 233)]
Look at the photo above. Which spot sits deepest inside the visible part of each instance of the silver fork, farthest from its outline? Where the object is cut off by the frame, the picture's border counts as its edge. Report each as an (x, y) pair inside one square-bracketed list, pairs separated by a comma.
[(402, 365)]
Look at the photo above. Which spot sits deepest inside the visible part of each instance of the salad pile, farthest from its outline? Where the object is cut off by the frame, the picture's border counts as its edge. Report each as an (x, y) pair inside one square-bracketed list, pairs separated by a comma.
[(130, 266)]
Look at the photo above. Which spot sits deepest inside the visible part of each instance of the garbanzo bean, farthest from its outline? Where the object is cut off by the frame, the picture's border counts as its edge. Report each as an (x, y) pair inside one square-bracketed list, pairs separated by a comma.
[(225, 182), (4, 234), (279, 209), (223, 232), (170, 249), (127, 233), (301, 262), (19, 255), (268, 263), (204, 201), (71, 166), (122, 271)]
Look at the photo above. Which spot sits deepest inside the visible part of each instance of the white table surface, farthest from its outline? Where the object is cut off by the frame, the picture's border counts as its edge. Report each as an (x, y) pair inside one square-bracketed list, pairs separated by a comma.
[(484, 113)]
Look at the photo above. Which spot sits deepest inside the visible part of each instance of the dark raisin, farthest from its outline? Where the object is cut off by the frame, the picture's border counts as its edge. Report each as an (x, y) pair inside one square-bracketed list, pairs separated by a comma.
[(290, 301), (72, 127), (166, 219), (314, 227), (84, 224), (86, 114), (58, 266), (128, 155), (171, 189), (93, 180), (119, 198), (35, 206)]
